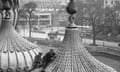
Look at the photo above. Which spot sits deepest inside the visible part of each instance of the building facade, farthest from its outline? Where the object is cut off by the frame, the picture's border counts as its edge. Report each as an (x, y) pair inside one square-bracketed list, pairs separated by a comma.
[(110, 3), (50, 13)]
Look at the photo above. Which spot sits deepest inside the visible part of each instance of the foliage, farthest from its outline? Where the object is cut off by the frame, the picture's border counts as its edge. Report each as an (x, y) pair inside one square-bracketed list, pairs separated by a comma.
[(79, 15), (22, 13), (29, 8), (93, 14), (111, 18), (105, 21)]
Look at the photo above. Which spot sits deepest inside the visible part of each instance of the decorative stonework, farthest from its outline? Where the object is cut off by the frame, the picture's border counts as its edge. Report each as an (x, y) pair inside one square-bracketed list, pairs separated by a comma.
[(71, 10), (73, 56), (16, 53)]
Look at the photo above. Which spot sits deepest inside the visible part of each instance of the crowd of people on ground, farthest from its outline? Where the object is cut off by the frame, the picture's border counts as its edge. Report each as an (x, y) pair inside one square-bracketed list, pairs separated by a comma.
[(43, 62)]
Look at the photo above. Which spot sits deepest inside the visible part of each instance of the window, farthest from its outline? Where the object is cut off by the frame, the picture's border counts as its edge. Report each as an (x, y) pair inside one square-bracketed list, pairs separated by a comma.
[(44, 19), (44, 22)]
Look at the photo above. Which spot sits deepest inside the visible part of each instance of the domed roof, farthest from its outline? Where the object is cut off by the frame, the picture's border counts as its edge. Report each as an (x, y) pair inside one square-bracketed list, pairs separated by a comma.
[(73, 56), (15, 51)]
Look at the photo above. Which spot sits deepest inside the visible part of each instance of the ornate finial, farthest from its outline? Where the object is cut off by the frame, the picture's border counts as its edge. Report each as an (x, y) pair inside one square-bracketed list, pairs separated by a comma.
[(7, 6), (72, 11)]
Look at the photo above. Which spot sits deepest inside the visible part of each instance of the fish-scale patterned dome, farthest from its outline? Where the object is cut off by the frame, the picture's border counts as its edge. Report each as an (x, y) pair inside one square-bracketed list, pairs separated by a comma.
[(15, 51), (73, 57)]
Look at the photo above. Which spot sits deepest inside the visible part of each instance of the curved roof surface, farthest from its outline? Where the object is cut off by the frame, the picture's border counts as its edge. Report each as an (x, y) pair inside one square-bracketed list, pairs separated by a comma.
[(15, 51), (11, 41), (73, 57)]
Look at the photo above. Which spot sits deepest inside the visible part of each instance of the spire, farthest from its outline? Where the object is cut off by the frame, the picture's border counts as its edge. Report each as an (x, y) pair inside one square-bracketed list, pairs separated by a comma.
[(73, 57), (71, 10)]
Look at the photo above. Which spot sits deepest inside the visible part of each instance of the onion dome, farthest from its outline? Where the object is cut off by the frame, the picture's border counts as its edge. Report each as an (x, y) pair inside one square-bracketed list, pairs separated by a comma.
[(16, 53), (73, 56)]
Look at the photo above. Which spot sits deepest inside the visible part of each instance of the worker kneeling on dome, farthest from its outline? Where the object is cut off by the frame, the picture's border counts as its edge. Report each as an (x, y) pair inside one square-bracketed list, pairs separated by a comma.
[(43, 62)]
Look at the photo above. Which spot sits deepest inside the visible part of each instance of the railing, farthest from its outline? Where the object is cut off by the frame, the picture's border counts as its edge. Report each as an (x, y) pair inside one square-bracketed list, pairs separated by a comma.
[(109, 50)]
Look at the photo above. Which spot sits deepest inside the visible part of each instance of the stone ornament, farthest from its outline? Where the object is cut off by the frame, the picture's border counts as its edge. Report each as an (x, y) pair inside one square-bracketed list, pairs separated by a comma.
[(73, 56), (16, 53)]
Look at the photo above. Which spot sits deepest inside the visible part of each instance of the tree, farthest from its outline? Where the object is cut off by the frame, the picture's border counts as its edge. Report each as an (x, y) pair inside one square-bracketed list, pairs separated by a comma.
[(23, 14), (29, 8), (93, 14), (79, 17), (112, 18)]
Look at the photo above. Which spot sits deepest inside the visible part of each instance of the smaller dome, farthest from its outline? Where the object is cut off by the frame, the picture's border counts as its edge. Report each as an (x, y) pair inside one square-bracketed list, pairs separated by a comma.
[(16, 53), (73, 57)]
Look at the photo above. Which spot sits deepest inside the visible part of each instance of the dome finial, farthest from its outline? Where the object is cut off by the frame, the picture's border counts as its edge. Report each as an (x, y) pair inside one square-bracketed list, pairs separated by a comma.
[(72, 11), (7, 6)]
